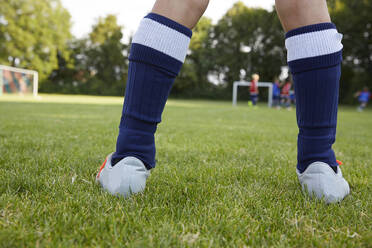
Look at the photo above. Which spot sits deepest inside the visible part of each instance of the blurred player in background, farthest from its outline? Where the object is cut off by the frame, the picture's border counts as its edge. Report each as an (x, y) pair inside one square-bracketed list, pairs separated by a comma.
[(363, 98), (285, 95), (253, 90), (276, 93)]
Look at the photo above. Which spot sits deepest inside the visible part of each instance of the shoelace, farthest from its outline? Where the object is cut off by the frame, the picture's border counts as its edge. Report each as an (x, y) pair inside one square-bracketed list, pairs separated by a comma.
[(339, 162), (101, 168)]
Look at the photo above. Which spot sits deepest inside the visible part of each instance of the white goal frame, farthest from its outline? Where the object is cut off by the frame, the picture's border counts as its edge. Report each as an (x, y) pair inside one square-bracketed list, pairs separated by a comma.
[(247, 84), (35, 76)]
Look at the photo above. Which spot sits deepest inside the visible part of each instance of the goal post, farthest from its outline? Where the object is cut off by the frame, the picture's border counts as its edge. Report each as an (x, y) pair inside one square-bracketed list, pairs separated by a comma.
[(247, 84), (17, 80)]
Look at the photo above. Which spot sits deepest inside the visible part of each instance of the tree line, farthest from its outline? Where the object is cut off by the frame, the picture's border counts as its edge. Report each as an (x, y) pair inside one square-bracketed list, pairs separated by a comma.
[(36, 34)]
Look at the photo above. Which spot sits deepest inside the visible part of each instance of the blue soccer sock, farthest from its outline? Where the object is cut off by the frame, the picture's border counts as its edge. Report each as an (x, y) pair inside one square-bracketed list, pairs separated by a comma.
[(157, 53), (314, 58)]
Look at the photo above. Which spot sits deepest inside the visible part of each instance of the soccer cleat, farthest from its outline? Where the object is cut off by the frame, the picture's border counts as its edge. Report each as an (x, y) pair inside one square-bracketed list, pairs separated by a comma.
[(127, 177), (321, 181)]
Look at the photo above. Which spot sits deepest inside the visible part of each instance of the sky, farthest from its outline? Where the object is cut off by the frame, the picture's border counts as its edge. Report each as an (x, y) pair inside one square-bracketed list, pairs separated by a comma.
[(85, 13)]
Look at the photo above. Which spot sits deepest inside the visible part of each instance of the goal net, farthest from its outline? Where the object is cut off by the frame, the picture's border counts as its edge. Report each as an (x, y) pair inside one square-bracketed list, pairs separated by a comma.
[(247, 84), (18, 81)]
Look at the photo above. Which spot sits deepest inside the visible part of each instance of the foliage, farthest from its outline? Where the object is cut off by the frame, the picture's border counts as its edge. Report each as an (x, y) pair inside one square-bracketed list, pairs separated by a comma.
[(354, 20), (99, 63), (107, 58), (256, 30), (217, 51), (193, 79), (32, 32)]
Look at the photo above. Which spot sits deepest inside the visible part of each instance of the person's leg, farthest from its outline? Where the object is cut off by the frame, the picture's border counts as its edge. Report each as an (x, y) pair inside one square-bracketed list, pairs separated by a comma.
[(289, 103), (253, 99), (275, 101), (282, 101), (295, 14), (314, 57), (157, 53), (362, 106), (184, 12)]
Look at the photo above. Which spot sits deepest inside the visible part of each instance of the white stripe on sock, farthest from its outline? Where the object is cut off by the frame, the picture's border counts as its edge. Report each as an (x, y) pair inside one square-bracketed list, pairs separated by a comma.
[(162, 38), (313, 44)]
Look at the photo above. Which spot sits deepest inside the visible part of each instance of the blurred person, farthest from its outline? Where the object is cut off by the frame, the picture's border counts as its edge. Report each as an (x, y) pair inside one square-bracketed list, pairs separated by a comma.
[(276, 93), (253, 89), (363, 98), (286, 95), (158, 50)]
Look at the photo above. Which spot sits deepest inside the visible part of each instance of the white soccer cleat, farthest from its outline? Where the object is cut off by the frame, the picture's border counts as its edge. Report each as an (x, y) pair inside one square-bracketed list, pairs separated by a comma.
[(126, 178), (320, 180)]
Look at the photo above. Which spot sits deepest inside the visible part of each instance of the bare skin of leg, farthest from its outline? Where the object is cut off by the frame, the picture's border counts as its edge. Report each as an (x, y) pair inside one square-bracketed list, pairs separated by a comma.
[(298, 13), (185, 12)]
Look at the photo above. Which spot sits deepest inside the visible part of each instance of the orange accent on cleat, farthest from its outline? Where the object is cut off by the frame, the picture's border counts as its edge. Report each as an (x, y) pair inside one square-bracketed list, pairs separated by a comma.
[(101, 168), (339, 162)]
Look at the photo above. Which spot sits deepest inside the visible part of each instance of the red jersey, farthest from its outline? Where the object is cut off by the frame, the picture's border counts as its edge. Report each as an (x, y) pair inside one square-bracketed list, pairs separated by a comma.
[(254, 87), (286, 89)]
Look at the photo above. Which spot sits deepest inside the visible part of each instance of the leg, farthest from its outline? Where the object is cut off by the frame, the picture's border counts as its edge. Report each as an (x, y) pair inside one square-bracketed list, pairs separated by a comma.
[(362, 106), (157, 53), (186, 12), (295, 14), (314, 57), (277, 102), (253, 99), (289, 103)]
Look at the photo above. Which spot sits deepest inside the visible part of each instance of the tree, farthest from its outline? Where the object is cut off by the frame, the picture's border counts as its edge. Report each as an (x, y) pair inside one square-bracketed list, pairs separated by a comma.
[(248, 40), (32, 32), (107, 57), (97, 65), (354, 20), (193, 78)]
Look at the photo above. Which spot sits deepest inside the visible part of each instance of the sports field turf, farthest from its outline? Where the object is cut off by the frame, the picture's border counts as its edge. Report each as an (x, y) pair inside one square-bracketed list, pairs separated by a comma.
[(225, 178)]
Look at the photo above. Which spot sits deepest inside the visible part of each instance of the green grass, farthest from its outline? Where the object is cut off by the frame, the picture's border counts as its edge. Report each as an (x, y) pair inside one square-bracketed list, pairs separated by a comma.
[(225, 177)]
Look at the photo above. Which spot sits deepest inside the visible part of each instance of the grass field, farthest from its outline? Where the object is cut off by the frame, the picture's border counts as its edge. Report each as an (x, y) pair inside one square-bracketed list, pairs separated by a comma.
[(225, 177)]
